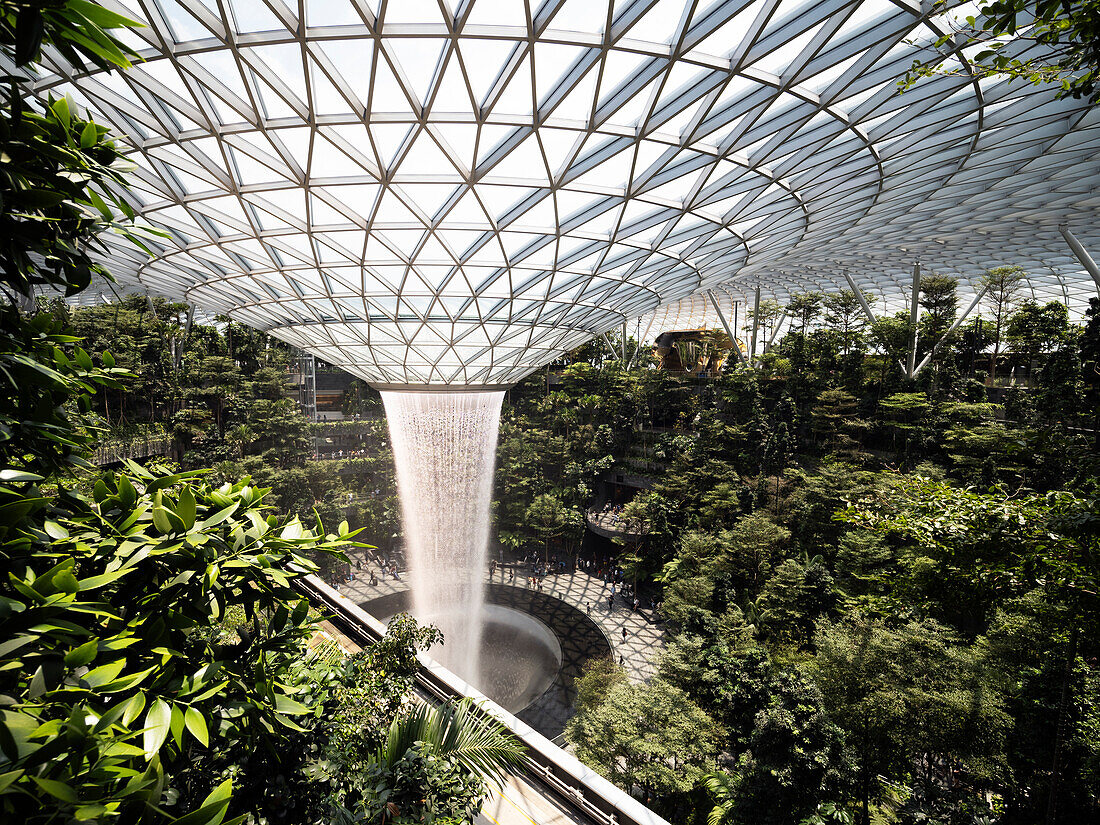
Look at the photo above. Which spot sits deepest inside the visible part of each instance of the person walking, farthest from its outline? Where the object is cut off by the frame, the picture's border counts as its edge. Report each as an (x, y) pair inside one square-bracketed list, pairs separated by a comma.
[(624, 634)]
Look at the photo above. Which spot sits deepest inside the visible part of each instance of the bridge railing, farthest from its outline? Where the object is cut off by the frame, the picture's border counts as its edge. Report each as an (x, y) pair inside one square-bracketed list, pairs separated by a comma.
[(573, 782), (115, 452)]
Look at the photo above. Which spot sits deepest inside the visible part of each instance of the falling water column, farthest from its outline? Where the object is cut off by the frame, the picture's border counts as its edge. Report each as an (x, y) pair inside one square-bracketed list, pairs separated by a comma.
[(444, 448)]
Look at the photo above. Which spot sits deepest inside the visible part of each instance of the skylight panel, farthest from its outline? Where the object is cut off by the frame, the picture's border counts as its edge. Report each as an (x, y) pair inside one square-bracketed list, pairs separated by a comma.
[(497, 13), (588, 16), (253, 16), (333, 13)]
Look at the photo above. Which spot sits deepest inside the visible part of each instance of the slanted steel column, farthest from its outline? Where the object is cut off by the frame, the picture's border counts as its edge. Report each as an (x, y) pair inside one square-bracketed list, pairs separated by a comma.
[(607, 343), (775, 331), (914, 317), (950, 330), (860, 297), (1082, 255), (726, 325), (755, 322), (866, 307)]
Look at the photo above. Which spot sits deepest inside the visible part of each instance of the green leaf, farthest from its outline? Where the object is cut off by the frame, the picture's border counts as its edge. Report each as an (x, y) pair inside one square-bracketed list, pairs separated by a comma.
[(213, 808), (134, 706), (9, 475), (219, 516), (176, 725), (93, 582), (83, 654), (58, 789), (186, 508), (88, 137), (126, 682), (38, 684), (292, 707), (7, 778), (104, 673), (196, 724), (126, 492), (104, 18), (160, 520), (157, 723), (55, 530)]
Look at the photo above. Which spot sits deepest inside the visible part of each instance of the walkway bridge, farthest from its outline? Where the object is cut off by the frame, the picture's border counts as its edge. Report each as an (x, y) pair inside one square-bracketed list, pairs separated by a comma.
[(115, 452), (553, 788)]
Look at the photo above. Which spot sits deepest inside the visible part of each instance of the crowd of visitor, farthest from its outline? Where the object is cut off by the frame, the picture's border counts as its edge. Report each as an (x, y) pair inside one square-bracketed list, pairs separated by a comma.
[(609, 515)]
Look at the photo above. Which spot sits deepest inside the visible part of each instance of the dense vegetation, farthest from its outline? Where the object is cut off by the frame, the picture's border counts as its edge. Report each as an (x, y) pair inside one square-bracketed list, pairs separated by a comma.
[(881, 593)]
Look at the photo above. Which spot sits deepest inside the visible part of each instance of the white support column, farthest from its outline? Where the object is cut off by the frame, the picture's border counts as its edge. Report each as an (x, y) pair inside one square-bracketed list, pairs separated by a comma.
[(860, 297), (950, 331), (755, 323), (866, 307), (775, 331), (914, 317), (623, 343), (1082, 255), (726, 326), (611, 349)]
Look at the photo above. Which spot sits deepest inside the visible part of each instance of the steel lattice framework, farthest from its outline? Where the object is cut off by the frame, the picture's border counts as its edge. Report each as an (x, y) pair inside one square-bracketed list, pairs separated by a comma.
[(438, 192)]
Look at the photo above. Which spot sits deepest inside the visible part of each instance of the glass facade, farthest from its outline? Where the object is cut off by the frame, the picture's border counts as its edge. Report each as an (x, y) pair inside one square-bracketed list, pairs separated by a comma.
[(440, 193)]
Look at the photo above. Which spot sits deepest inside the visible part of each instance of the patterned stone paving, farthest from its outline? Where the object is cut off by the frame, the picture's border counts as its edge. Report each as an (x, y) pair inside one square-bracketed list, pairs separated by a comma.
[(638, 650)]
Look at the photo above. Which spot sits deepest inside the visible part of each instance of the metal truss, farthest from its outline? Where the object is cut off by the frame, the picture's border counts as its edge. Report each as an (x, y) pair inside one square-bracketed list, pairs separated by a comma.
[(438, 192)]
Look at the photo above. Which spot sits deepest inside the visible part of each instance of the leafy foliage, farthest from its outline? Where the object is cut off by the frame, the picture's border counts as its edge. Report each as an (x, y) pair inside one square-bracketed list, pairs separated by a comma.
[(117, 668), (1067, 32)]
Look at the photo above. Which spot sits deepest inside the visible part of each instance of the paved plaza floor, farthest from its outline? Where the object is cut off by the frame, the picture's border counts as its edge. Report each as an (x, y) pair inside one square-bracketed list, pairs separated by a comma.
[(638, 650)]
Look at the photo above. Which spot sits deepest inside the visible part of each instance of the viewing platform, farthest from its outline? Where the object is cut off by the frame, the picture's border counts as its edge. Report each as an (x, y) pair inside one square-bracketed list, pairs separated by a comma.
[(608, 522)]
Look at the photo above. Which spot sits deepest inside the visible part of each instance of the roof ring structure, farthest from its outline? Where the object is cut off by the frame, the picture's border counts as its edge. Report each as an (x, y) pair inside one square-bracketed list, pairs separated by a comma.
[(452, 192)]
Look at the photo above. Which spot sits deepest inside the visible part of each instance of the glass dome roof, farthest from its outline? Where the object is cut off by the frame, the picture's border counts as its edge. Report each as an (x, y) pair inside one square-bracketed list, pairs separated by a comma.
[(437, 192)]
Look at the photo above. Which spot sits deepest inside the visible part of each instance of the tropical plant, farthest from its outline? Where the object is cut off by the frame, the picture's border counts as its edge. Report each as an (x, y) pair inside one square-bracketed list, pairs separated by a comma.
[(118, 666), (436, 765)]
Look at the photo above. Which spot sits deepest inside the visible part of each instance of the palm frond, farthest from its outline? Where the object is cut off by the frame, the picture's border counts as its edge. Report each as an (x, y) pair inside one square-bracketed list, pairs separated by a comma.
[(720, 786), (462, 731)]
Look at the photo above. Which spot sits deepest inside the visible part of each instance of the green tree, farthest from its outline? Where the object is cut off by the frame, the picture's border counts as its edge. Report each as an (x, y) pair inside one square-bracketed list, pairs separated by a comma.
[(116, 607), (597, 678), (650, 736), (835, 422), (805, 307), (914, 698), (940, 302), (844, 315), (1035, 330), (1003, 285), (551, 519), (795, 758)]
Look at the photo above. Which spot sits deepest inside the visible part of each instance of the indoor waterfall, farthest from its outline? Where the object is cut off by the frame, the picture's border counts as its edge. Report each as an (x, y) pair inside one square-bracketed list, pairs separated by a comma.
[(444, 449)]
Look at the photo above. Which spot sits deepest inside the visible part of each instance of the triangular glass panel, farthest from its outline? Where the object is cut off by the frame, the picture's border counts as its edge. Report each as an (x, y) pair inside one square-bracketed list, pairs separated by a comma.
[(417, 58)]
